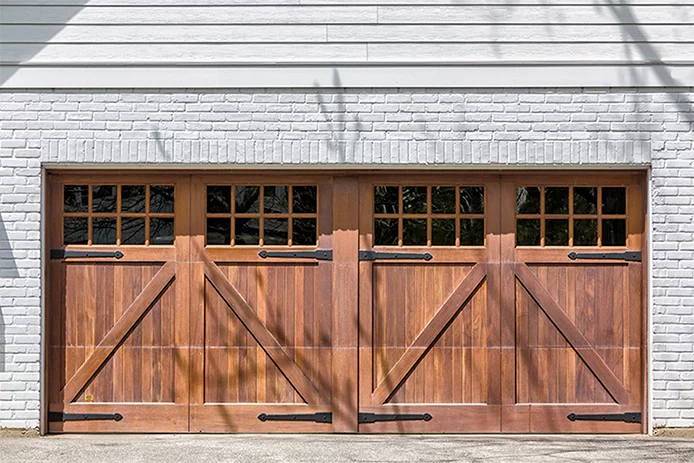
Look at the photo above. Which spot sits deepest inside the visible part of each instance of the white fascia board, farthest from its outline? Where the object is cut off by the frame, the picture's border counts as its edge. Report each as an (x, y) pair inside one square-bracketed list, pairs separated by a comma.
[(382, 76)]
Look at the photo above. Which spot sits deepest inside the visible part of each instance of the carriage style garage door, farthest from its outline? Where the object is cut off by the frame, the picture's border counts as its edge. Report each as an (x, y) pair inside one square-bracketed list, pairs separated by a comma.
[(454, 302)]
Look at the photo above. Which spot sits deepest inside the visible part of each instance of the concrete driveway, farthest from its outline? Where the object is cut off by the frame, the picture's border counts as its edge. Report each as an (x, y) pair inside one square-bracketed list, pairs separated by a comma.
[(342, 448)]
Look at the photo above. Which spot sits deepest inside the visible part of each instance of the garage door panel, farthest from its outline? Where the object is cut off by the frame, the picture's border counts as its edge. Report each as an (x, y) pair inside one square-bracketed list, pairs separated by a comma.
[(263, 339), (119, 356)]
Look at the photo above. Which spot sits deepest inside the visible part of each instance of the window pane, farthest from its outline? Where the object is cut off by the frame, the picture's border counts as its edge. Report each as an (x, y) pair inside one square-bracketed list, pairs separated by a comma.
[(614, 232), (528, 200), (76, 198), (414, 199), (75, 230), (585, 232), (104, 198), (386, 200), (556, 200), (218, 231), (614, 200), (443, 199), (304, 232), (386, 232), (132, 231), (414, 232), (305, 199), (528, 232), (161, 199), (132, 198), (247, 199), (585, 200), (472, 232), (104, 230), (161, 230), (247, 231), (276, 232), (276, 200), (472, 200), (556, 232), (443, 231), (218, 199)]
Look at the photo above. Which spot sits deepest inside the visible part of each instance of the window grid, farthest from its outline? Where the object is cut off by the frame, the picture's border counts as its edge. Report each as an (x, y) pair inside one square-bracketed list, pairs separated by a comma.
[(90, 215), (261, 215), (571, 216), (429, 215)]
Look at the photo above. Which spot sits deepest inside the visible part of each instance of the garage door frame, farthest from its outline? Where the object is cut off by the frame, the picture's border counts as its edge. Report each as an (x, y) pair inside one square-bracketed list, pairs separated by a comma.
[(351, 264)]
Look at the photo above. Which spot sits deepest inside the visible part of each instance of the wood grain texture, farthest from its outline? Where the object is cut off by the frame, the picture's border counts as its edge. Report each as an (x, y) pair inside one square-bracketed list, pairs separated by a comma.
[(260, 333), (583, 347), (115, 336), (406, 337)]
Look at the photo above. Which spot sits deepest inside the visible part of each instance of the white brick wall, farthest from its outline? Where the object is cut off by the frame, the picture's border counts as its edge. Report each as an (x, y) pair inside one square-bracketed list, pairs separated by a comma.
[(595, 128)]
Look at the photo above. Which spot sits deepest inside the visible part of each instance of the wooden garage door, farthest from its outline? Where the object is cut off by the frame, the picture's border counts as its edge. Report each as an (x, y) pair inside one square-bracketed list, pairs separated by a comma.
[(572, 303), (262, 329), (117, 356), (429, 307), (371, 303)]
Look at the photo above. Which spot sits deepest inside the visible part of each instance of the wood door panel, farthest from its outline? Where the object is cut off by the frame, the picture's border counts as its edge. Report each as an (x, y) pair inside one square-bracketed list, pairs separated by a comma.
[(572, 330), (237, 368), (128, 364), (262, 330)]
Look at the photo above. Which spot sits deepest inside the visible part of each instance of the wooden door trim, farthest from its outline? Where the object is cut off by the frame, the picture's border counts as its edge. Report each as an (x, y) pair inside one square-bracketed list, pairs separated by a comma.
[(120, 330), (424, 340), (260, 333), (570, 331)]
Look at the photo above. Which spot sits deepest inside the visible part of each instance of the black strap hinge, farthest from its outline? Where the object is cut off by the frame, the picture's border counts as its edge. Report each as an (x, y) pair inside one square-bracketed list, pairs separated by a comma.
[(320, 417), (318, 254), (629, 256), (60, 416), (375, 255), (629, 417), (64, 254), (374, 417)]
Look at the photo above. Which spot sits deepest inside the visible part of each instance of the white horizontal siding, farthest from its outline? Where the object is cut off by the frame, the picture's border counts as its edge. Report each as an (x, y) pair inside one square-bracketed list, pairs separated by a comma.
[(384, 33), (338, 53), (91, 33)]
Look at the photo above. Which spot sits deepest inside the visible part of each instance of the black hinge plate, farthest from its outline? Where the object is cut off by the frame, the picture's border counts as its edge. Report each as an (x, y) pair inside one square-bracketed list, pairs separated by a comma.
[(60, 416), (630, 256), (320, 417), (375, 255), (629, 417), (374, 417), (318, 254), (64, 254)]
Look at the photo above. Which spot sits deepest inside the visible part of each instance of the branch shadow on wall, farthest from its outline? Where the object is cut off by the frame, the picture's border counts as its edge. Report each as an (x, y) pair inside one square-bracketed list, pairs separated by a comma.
[(631, 27), (8, 271)]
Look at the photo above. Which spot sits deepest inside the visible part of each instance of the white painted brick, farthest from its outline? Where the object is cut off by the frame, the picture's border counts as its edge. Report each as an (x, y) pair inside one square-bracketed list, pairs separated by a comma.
[(590, 128)]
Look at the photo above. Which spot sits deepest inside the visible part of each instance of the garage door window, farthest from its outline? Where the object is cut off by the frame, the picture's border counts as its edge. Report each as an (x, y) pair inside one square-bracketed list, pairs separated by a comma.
[(428, 215), (262, 215), (118, 214), (570, 216)]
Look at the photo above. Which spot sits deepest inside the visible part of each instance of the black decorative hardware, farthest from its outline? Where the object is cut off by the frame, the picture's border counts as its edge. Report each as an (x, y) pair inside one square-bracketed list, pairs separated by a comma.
[(630, 256), (374, 417), (60, 416), (64, 254), (320, 417), (318, 254), (630, 417), (375, 255)]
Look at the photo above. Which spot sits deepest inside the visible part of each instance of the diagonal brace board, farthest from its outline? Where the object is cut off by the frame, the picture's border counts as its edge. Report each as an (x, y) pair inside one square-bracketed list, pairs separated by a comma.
[(430, 333), (125, 324), (571, 332), (260, 333)]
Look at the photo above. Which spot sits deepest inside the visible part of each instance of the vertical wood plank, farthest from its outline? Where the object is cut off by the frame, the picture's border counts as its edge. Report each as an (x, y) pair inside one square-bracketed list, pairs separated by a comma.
[(345, 303)]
